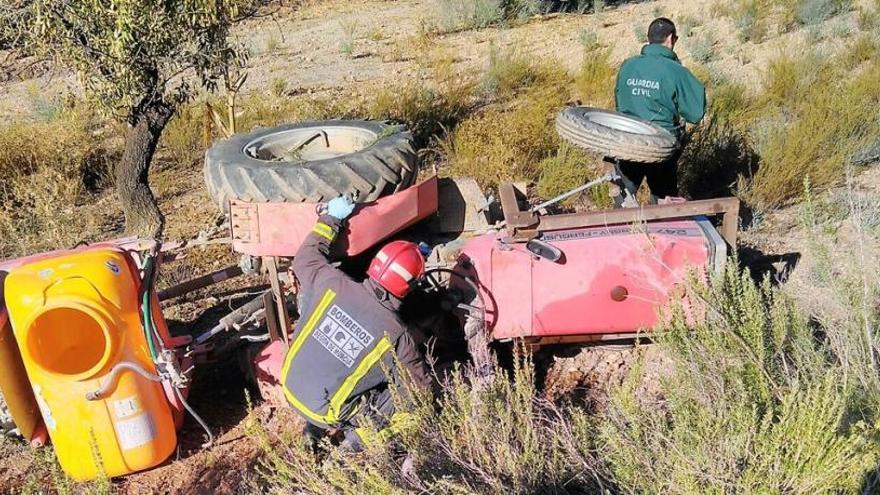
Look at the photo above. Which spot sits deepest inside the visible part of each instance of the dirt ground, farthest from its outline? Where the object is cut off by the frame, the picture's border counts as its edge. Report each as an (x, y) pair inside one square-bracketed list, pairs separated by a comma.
[(307, 49), (331, 46)]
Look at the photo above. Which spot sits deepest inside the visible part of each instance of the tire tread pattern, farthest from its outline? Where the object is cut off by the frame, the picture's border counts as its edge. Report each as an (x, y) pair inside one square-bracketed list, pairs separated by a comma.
[(574, 126), (386, 166)]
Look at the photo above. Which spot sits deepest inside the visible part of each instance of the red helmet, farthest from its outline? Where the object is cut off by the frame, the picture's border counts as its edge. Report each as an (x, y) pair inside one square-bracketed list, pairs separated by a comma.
[(396, 265)]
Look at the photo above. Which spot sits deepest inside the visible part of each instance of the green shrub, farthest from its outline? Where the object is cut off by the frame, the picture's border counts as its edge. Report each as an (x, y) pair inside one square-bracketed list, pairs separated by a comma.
[(510, 71), (841, 30), (349, 37), (485, 437), (568, 169), (728, 102), (589, 39), (825, 118), (686, 25), (813, 12), (861, 50), (702, 50), (278, 87), (838, 284), (460, 15), (427, 110), (183, 140), (752, 404), (640, 32), (594, 82), (715, 159), (272, 43), (49, 170), (506, 142), (868, 19), (751, 19)]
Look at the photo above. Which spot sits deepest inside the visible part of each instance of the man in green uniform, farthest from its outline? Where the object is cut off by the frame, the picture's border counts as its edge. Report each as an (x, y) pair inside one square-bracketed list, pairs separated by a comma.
[(655, 87)]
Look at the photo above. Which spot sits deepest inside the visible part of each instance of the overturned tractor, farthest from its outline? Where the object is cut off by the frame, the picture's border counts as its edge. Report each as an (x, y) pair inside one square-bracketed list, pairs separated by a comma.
[(84, 347)]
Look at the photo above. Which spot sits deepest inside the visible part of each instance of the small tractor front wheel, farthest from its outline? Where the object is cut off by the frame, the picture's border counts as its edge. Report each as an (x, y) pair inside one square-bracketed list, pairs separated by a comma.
[(616, 135)]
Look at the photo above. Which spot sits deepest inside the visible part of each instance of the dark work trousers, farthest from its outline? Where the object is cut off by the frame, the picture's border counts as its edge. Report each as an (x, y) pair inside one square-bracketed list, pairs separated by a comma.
[(376, 409), (662, 177)]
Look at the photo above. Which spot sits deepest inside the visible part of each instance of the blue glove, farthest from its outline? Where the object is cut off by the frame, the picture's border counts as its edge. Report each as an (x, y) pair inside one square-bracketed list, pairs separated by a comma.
[(340, 207)]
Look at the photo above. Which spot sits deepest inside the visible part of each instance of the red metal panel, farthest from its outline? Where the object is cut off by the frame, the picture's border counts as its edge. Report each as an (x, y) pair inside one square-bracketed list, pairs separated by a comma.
[(539, 298), (278, 229)]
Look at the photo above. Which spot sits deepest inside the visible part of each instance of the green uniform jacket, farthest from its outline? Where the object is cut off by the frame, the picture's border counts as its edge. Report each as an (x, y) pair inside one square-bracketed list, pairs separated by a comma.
[(654, 86)]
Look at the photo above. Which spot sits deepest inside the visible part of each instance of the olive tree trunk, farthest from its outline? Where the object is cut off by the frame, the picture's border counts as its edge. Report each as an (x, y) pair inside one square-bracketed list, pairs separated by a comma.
[(142, 214)]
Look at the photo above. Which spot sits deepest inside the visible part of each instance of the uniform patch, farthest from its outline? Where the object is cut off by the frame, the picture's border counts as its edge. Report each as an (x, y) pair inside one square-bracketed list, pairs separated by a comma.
[(342, 335)]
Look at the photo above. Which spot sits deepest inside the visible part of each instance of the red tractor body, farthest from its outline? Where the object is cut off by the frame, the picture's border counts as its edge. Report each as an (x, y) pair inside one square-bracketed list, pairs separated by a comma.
[(617, 267), (610, 281)]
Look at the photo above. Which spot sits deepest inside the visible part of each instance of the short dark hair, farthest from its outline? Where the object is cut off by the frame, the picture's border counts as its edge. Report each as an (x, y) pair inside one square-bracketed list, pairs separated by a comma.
[(660, 29)]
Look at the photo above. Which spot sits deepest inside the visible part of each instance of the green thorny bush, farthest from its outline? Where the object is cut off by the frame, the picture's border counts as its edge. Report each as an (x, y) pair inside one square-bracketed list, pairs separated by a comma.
[(481, 436), (757, 401)]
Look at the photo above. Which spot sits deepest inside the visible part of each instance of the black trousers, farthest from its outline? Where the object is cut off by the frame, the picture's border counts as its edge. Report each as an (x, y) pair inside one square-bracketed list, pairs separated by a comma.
[(662, 177), (377, 408)]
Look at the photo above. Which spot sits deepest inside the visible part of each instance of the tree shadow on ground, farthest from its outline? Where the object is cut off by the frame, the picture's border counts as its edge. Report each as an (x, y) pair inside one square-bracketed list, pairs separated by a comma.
[(582, 6)]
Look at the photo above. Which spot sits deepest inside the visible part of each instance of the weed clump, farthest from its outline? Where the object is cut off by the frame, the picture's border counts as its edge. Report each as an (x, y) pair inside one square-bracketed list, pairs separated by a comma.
[(594, 82), (753, 404), (505, 142), (568, 169)]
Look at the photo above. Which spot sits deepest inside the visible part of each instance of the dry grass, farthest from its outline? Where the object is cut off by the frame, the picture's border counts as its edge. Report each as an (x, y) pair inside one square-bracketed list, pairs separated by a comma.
[(51, 170), (813, 119), (506, 142)]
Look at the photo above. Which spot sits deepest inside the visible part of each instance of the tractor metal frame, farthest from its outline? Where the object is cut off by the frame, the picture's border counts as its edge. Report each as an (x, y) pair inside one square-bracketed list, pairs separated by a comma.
[(523, 225)]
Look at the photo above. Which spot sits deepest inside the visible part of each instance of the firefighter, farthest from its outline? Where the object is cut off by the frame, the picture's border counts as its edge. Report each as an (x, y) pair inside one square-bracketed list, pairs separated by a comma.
[(335, 371), (654, 86)]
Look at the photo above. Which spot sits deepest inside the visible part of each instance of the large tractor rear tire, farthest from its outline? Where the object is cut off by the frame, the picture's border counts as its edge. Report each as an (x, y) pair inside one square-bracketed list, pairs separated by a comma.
[(312, 162), (616, 135)]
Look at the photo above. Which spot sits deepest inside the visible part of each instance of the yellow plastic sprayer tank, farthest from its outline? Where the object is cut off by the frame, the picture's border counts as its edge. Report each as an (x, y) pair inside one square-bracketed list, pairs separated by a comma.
[(77, 322)]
